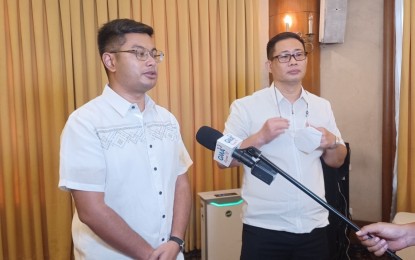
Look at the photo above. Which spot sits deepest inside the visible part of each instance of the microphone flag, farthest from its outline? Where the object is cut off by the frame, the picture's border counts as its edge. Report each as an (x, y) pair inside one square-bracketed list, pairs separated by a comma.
[(225, 146)]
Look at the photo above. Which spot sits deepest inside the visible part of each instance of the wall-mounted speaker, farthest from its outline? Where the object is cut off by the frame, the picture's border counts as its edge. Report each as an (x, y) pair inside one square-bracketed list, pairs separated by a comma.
[(333, 14)]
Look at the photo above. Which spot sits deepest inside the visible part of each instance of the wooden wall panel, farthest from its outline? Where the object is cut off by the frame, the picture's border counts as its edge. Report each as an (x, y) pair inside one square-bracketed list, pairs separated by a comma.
[(292, 5), (388, 122)]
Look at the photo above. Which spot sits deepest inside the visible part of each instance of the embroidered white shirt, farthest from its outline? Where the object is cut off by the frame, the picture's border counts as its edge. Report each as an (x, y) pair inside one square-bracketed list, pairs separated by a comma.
[(109, 145)]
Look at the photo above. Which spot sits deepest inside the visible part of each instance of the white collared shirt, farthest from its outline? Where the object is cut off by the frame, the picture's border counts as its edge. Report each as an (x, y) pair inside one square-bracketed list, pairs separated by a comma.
[(281, 205), (109, 145)]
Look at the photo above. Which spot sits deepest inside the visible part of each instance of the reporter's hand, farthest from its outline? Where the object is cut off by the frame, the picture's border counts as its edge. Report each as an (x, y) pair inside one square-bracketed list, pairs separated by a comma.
[(384, 236)]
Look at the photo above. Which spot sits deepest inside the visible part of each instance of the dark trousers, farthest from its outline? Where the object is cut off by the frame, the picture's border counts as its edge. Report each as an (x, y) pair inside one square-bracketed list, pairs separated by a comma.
[(265, 244)]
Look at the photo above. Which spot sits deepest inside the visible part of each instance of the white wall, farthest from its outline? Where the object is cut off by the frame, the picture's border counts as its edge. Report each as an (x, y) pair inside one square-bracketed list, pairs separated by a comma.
[(351, 78)]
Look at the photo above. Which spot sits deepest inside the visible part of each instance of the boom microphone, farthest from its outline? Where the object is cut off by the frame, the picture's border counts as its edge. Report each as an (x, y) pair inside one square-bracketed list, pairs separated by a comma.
[(225, 148), (213, 140)]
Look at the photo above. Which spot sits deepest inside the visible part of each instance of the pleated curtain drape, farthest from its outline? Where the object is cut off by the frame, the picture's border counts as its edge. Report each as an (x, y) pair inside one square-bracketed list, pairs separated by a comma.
[(49, 66), (406, 128)]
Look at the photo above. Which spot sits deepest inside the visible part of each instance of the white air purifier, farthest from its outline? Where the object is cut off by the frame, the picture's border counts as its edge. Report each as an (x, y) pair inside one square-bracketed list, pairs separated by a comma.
[(221, 224)]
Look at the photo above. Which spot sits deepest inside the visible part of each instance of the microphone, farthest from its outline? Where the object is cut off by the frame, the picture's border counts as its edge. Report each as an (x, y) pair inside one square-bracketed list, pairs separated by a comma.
[(207, 137), (225, 148)]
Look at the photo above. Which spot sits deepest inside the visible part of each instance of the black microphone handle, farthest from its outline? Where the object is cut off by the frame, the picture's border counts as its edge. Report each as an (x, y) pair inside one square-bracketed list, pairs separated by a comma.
[(241, 156), (256, 153)]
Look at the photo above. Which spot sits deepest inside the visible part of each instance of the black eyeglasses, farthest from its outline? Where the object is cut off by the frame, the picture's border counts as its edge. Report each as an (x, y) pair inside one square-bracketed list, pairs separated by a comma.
[(142, 54), (284, 58)]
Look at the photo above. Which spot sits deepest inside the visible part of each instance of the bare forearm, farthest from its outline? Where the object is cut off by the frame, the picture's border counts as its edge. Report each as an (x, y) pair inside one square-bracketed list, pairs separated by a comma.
[(109, 226), (411, 233), (182, 206), (116, 232), (335, 157)]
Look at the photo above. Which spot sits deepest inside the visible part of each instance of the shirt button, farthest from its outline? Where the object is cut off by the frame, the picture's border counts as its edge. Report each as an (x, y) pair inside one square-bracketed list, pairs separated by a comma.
[(164, 216), (160, 192), (155, 168), (162, 239), (151, 146), (133, 107)]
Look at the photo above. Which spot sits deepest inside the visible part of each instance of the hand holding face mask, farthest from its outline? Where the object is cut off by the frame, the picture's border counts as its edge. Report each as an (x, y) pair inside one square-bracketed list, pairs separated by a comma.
[(307, 139)]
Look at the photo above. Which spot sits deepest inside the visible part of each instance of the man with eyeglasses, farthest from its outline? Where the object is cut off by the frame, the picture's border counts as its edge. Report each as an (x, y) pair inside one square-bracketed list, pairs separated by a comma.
[(123, 158), (293, 128)]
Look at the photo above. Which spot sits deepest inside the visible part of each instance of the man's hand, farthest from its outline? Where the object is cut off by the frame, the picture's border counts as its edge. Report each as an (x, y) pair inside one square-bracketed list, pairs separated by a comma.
[(328, 139), (271, 129), (333, 155), (166, 251)]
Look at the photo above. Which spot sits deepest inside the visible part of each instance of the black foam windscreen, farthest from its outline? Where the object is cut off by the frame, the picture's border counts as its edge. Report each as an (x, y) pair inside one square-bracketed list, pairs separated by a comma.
[(207, 136)]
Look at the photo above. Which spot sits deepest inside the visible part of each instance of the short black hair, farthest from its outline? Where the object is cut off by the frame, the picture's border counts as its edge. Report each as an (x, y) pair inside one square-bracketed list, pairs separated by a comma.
[(112, 33), (280, 37)]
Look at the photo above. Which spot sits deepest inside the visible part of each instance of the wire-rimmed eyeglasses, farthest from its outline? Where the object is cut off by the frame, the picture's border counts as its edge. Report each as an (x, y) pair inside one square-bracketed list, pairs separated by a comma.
[(142, 54), (284, 58)]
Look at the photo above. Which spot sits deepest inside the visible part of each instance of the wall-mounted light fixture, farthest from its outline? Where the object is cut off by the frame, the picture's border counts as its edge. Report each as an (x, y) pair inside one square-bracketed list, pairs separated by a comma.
[(288, 21), (307, 37)]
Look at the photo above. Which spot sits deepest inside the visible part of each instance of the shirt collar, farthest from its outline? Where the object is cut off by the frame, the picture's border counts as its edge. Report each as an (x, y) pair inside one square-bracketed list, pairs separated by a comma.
[(304, 94), (120, 104)]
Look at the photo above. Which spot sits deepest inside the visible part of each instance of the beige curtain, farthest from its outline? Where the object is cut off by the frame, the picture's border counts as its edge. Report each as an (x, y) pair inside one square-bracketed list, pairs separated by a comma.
[(406, 132), (49, 66)]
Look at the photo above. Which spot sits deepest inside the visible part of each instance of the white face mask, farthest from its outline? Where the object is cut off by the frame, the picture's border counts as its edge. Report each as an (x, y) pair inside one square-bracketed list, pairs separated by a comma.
[(307, 139)]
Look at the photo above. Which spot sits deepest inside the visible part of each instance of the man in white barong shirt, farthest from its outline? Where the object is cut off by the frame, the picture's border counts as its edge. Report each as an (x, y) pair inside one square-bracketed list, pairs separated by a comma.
[(123, 158)]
